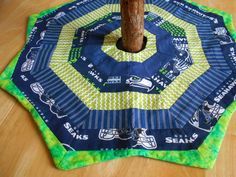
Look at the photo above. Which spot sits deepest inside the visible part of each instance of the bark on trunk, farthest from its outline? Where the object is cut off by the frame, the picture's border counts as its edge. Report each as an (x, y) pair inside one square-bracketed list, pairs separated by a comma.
[(132, 24)]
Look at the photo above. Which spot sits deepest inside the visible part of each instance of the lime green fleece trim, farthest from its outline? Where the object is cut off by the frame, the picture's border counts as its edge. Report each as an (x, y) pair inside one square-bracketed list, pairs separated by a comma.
[(204, 157), (228, 18)]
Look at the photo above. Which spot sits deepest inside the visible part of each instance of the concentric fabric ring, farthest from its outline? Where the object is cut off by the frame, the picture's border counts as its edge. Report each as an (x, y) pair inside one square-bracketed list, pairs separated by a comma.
[(160, 114), (183, 126), (163, 101), (110, 70), (176, 109)]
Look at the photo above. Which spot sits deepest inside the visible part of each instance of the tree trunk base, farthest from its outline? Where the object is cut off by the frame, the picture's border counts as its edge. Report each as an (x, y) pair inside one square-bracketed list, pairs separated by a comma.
[(119, 45), (132, 24)]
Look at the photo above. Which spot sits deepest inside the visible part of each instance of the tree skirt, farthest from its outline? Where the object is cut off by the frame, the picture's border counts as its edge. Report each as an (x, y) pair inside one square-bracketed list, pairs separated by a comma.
[(94, 102)]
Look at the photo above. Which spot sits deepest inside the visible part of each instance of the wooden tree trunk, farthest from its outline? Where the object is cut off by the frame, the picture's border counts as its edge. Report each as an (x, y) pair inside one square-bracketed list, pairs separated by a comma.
[(132, 24)]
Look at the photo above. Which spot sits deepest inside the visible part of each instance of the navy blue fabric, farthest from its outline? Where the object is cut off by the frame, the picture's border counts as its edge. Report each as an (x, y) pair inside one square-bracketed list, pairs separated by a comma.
[(184, 126), (107, 66)]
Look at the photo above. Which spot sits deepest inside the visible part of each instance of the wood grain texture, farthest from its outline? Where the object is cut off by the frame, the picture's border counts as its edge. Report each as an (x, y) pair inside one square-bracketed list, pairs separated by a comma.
[(23, 152), (132, 24)]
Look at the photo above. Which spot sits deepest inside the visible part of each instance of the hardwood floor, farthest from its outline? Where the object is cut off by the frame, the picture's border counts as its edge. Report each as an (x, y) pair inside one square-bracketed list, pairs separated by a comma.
[(23, 152)]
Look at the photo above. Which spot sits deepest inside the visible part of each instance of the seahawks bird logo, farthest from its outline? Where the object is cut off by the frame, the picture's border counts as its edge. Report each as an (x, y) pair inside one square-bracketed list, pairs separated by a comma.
[(144, 83)]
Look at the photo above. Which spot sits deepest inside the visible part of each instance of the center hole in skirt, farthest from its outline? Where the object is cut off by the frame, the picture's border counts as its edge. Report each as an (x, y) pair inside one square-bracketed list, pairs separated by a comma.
[(120, 46)]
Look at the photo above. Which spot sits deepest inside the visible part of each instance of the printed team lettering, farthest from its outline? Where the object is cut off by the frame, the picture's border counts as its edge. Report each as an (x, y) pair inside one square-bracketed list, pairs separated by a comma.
[(232, 55), (195, 11), (73, 132), (225, 91), (94, 73), (179, 139)]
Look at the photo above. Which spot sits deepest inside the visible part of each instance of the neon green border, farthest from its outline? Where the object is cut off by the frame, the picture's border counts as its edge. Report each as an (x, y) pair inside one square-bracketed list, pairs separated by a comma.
[(203, 157), (228, 18)]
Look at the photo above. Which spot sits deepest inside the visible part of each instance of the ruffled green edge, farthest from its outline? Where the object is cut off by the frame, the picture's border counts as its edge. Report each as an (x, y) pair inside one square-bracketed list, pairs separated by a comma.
[(204, 157)]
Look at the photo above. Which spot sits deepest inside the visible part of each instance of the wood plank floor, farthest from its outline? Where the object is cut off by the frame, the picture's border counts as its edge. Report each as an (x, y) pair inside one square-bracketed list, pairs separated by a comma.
[(23, 152)]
